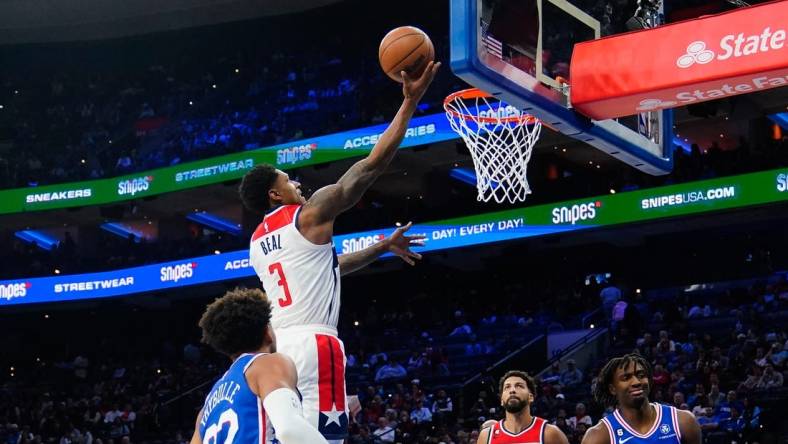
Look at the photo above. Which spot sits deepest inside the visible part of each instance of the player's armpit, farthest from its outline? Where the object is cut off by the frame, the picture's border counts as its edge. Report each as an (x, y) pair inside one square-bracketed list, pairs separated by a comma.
[(688, 425), (554, 435), (597, 435)]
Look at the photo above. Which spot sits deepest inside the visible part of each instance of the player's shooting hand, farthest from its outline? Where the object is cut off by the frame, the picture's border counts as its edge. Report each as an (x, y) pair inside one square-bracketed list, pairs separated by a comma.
[(415, 88), (399, 244)]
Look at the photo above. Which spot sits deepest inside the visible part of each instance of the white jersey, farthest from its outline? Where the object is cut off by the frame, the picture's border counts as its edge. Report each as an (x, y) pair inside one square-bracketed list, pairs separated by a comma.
[(300, 278)]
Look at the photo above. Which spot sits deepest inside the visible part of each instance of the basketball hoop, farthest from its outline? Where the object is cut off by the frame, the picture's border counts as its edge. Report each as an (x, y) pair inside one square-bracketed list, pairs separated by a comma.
[(500, 138)]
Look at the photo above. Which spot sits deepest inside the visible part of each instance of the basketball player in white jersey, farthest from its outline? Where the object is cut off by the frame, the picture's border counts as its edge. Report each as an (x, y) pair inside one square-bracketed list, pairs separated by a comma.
[(255, 401), (293, 254)]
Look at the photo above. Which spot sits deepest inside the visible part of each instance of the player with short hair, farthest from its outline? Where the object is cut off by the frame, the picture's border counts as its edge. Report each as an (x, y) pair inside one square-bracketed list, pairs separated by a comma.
[(625, 383), (255, 401), (517, 390), (293, 254)]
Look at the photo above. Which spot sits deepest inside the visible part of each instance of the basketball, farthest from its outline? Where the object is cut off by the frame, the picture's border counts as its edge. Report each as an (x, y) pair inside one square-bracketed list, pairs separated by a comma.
[(406, 48)]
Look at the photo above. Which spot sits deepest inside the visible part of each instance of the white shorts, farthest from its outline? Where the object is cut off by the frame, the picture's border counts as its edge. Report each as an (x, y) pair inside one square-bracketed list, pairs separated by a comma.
[(319, 356)]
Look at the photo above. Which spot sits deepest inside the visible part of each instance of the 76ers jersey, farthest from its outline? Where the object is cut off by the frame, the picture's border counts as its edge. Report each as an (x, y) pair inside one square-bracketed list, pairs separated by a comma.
[(232, 414), (664, 431), (300, 278), (533, 434)]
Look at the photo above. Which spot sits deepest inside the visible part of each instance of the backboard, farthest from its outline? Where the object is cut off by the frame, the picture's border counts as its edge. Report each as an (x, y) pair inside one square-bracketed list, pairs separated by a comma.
[(520, 51)]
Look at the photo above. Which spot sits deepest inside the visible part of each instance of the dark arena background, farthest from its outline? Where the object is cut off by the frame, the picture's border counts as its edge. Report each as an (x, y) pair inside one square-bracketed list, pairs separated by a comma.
[(125, 128)]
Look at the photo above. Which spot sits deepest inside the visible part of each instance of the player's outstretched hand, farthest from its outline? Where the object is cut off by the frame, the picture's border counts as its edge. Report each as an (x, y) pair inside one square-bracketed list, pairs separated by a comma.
[(399, 244), (415, 88)]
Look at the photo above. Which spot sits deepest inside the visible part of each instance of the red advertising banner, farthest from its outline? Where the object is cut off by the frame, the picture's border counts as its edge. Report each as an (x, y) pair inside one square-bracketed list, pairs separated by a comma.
[(738, 52)]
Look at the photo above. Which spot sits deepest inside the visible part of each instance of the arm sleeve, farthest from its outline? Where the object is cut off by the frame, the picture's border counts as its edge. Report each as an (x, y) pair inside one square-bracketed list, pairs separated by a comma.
[(284, 409)]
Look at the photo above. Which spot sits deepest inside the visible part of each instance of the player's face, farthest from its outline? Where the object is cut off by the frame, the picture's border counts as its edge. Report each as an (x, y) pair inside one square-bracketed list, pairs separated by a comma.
[(286, 191), (630, 385), (515, 395)]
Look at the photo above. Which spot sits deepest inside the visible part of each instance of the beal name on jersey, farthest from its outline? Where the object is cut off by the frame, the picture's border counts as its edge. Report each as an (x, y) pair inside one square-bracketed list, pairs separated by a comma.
[(271, 243)]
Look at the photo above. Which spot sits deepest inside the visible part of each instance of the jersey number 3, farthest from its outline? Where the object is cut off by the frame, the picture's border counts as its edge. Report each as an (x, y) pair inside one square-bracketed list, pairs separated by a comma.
[(212, 433), (276, 267)]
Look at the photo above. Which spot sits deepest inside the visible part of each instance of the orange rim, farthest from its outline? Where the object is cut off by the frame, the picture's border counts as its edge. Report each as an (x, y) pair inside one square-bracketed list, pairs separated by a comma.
[(476, 93)]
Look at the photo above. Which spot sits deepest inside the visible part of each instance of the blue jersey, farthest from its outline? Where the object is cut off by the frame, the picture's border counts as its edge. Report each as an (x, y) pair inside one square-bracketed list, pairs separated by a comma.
[(232, 414), (664, 431)]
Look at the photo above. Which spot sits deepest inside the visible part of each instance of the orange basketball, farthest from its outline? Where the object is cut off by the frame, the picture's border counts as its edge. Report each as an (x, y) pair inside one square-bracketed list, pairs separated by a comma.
[(406, 49)]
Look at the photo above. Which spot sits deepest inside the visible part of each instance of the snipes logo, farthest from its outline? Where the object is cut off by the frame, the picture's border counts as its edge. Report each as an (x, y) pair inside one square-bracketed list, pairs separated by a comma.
[(575, 213), (15, 290), (174, 273), (696, 53), (359, 243), (134, 186), (733, 46)]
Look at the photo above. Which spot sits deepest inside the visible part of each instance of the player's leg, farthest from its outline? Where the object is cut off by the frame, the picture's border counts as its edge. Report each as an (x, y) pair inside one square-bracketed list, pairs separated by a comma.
[(320, 362)]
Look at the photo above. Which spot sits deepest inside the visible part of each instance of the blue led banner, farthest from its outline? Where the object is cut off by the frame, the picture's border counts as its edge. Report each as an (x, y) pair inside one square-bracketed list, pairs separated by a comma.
[(539, 220)]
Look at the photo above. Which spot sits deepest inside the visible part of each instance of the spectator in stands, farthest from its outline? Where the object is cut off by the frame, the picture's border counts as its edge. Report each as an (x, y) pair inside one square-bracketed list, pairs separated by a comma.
[(391, 370), (715, 397), (572, 376), (561, 422), (421, 414), (770, 379), (678, 400), (731, 401), (707, 421), (384, 432), (697, 397), (553, 375), (609, 296), (665, 343), (580, 417), (661, 378), (733, 425), (442, 406)]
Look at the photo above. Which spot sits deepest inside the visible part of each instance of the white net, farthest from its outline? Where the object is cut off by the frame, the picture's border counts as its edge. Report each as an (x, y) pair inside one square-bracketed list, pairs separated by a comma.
[(500, 139)]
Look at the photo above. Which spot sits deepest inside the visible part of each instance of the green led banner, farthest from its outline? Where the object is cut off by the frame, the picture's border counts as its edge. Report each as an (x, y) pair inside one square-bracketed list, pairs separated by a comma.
[(422, 130), (633, 206)]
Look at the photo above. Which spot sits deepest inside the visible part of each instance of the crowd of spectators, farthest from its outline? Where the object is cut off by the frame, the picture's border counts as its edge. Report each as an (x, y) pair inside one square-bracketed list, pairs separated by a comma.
[(720, 354)]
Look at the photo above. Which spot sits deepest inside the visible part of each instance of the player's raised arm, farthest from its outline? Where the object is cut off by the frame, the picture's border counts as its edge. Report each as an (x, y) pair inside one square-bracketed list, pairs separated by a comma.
[(273, 378), (328, 202)]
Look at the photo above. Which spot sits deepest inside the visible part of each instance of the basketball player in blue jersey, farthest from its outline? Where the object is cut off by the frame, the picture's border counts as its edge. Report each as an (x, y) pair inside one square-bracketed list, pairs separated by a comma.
[(255, 401), (625, 383)]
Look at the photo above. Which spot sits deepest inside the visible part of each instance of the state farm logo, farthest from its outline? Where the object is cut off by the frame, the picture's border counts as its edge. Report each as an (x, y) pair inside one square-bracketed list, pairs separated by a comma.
[(696, 53), (359, 243), (15, 290), (174, 273), (134, 186), (575, 213), (654, 104), (733, 46)]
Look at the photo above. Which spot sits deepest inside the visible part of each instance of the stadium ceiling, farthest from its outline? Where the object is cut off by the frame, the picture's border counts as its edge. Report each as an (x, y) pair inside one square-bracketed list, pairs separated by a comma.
[(41, 21)]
